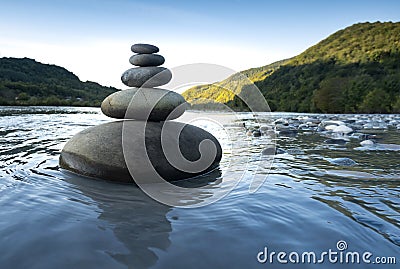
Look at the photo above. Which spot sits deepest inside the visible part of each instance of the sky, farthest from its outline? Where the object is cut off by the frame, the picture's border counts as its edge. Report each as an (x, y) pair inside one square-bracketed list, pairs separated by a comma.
[(92, 38)]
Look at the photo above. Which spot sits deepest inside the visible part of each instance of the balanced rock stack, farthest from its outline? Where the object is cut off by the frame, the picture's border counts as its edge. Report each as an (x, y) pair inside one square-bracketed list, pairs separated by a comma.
[(149, 74), (145, 145)]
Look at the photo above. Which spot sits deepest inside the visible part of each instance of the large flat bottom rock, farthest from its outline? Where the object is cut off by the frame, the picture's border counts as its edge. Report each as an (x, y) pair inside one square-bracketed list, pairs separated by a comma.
[(117, 150)]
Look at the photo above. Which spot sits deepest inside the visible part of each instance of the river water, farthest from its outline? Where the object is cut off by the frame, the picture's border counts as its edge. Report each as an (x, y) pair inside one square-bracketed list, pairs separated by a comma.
[(310, 200)]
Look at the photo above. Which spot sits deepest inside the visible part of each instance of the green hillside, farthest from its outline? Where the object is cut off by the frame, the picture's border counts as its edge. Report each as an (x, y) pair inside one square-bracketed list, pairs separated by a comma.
[(354, 70), (27, 82)]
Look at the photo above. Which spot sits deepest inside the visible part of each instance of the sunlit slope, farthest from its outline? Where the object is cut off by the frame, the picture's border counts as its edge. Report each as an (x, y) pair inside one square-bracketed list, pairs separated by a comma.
[(356, 69)]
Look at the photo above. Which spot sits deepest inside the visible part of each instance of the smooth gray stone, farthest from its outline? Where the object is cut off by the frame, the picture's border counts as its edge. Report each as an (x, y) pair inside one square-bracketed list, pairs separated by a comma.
[(335, 141), (144, 48), (342, 161), (288, 132), (150, 104), (97, 151), (257, 133), (147, 60), (151, 76), (272, 150)]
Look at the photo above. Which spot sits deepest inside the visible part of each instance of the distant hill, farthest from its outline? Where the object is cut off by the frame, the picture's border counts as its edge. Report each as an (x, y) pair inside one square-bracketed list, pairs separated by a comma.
[(27, 82), (354, 70)]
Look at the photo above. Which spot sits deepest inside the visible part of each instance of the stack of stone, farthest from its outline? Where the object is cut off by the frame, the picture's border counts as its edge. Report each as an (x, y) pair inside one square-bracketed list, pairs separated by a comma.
[(135, 147), (148, 103)]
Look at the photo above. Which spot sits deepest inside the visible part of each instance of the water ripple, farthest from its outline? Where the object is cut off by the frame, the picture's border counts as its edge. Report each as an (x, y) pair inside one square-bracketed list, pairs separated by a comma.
[(318, 190)]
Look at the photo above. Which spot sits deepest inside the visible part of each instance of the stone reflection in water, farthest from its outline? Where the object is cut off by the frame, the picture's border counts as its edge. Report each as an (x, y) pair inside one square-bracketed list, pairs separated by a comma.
[(138, 221), (141, 225)]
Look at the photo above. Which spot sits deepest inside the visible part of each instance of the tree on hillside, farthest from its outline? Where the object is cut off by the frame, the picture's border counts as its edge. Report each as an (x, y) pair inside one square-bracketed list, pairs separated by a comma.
[(376, 101), (329, 98)]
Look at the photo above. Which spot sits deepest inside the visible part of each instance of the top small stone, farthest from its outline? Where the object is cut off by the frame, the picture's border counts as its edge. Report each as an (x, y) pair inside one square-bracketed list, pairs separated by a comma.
[(144, 48)]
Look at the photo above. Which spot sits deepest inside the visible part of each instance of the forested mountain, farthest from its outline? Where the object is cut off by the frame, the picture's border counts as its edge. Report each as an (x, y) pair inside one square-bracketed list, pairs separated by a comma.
[(27, 82), (354, 70)]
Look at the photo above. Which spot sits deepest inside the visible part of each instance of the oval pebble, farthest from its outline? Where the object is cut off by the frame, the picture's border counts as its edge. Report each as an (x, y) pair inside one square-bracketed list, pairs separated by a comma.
[(147, 60), (150, 104), (144, 48), (98, 151), (151, 76)]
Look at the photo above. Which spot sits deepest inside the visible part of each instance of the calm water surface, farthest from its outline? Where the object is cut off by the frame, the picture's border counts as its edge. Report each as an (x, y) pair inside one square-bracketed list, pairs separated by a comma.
[(53, 219)]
